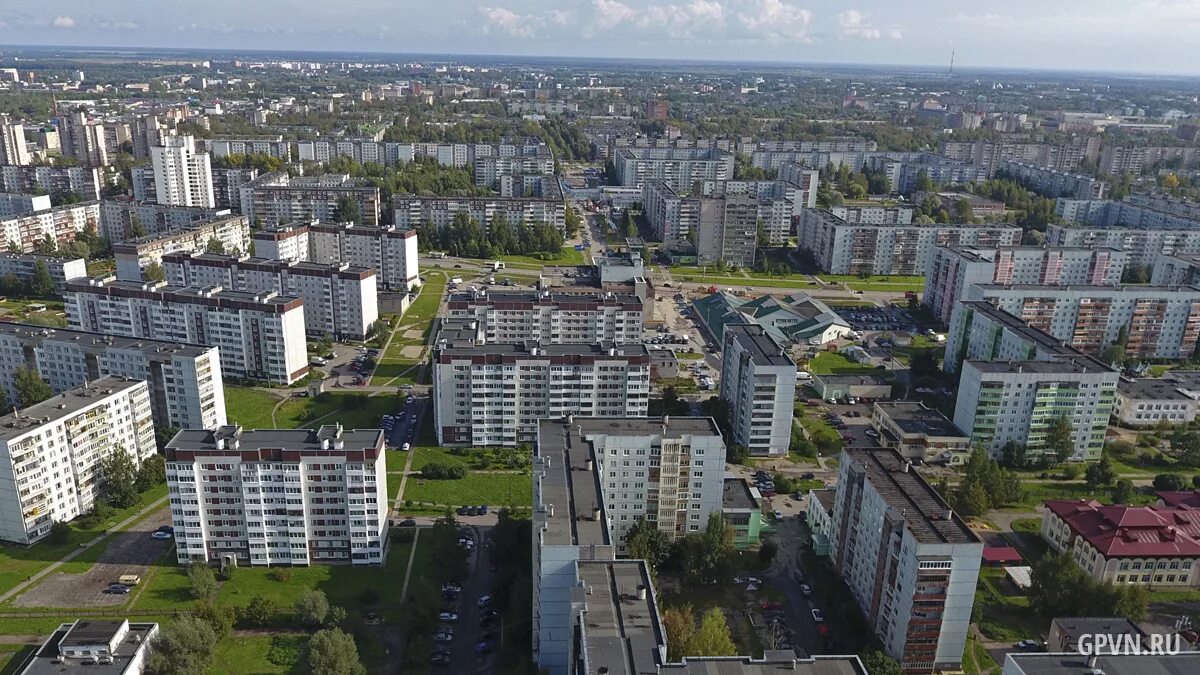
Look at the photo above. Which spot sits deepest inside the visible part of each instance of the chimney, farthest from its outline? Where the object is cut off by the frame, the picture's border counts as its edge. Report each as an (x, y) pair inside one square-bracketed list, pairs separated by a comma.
[(596, 513), (588, 464), (641, 592), (949, 514)]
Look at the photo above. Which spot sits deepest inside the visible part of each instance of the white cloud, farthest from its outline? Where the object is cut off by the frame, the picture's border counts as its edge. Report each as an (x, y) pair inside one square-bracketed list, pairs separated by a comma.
[(509, 22), (63, 22), (610, 13), (775, 19), (117, 25)]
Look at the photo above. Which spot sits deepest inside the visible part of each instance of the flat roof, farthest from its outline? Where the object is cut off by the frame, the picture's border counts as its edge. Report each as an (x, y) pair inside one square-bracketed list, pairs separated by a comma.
[(86, 633), (1017, 326), (1080, 365), (487, 297), (906, 491), (914, 418), (737, 495), (63, 405), (1187, 663), (1152, 388), (622, 632), (270, 439), (1042, 289), (763, 349), (88, 341)]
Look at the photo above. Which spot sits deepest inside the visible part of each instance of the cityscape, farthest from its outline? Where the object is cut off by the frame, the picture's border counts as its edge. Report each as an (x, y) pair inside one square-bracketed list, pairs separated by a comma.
[(596, 361)]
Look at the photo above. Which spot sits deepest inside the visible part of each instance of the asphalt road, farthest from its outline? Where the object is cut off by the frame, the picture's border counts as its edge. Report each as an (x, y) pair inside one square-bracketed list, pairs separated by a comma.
[(784, 576), (467, 630), (405, 430)]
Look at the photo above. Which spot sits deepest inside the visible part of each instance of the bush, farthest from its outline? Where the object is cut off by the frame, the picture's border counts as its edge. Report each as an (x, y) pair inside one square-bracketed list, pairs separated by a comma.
[(437, 471), (228, 571), (282, 574)]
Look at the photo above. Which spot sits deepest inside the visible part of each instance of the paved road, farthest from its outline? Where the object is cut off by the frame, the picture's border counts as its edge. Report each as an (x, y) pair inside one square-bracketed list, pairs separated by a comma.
[(784, 576), (467, 631)]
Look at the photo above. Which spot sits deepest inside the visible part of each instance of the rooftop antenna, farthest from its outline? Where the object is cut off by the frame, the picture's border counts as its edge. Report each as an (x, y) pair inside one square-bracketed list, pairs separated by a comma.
[(951, 71)]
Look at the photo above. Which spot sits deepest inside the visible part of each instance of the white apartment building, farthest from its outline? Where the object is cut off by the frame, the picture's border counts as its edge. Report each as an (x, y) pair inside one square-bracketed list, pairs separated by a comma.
[(361, 150), (801, 195), (494, 393), (392, 252), (727, 228), (955, 269), (185, 379), (82, 180), (50, 453), (872, 214), (546, 206), (673, 219), (275, 198), (83, 138), (490, 169), (16, 204), (135, 255), (1158, 321), (909, 561), (24, 265), (680, 168), (260, 336), (288, 496), (758, 380), (13, 149), (340, 301), (846, 248), (274, 146), (118, 218), (182, 176), (550, 317), (60, 224), (1054, 183)]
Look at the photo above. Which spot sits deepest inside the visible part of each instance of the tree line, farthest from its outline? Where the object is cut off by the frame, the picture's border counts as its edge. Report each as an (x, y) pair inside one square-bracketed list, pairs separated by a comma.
[(465, 237)]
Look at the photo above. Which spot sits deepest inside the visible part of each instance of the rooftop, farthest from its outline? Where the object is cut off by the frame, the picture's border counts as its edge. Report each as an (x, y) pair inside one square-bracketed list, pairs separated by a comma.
[(737, 495), (1073, 627), (1180, 499), (924, 511), (1152, 388), (36, 334), (1104, 291), (89, 633), (233, 437), (1077, 365), (64, 405), (487, 297), (914, 418), (762, 348), (1076, 664), (1121, 531)]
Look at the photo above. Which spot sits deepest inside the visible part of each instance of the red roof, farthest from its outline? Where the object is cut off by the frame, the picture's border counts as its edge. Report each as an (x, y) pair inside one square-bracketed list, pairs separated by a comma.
[(1182, 499), (1001, 554), (1132, 531)]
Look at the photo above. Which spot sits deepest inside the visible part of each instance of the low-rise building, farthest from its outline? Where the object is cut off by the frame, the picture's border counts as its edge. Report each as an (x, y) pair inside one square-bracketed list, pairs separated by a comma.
[(758, 381), (1148, 401), (75, 430), (739, 505), (108, 647), (862, 386), (1156, 546), (334, 510), (23, 266), (919, 433), (794, 319), (391, 252), (550, 317), (340, 301), (909, 561), (1032, 663), (260, 336), (1065, 632), (229, 234)]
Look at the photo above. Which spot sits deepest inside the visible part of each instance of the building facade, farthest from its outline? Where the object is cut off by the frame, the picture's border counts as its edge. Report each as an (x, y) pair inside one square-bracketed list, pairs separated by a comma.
[(550, 318), (545, 206), (24, 266), (680, 168), (391, 252), (276, 198), (232, 234), (758, 380), (1054, 183), (82, 180), (182, 176)]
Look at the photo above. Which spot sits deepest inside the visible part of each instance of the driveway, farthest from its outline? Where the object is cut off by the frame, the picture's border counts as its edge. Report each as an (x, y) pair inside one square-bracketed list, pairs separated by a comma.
[(784, 576), (130, 552), (467, 630)]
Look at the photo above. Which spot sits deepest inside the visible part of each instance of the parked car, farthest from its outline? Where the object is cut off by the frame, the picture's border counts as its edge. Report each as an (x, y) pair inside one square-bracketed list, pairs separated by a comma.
[(806, 590), (453, 588), (408, 522), (484, 601), (161, 535), (117, 589), (443, 637), (484, 647), (817, 615), (447, 616), (440, 659)]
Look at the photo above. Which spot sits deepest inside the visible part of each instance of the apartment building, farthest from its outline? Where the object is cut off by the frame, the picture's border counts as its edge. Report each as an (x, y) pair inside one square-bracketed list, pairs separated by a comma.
[(362, 150), (82, 180), (390, 251), (727, 229), (232, 233), (680, 168), (59, 224), (840, 247), (903, 170), (273, 146), (550, 317), (673, 219), (955, 269), (1173, 398), (1157, 322), (871, 213), (1151, 546), (276, 198), (546, 205), (184, 379), (1118, 159), (340, 300), (120, 219), (15, 204), (1053, 183), (23, 266), (14, 151), (1066, 156), (1176, 270), (489, 170), (260, 336), (288, 496), (494, 393), (1143, 245), (182, 176), (758, 381), (82, 138), (918, 433), (227, 186), (910, 562), (50, 453), (980, 206)]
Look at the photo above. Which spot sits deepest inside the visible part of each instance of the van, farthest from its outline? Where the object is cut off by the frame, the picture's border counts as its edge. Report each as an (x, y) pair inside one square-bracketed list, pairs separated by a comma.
[(129, 579)]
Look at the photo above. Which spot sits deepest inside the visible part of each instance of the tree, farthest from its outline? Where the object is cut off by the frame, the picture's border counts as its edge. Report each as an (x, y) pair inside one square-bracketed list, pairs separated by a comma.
[(183, 647), (1123, 493), (1055, 581), (118, 478), (1014, 454), (1058, 438), (259, 612), (713, 638), (333, 652), (220, 618), (878, 663), (973, 501), (42, 284), (153, 471), (346, 210), (924, 182), (646, 542), (311, 608), (1168, 482), (136, 228), (680, 626), (154, 271), (31, 388), (5, 404), (1100, 474), (203, 581), (214, 245), (708, 557)]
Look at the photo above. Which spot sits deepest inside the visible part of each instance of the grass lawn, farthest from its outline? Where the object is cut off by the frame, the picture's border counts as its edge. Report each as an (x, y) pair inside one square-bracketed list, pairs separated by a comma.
[(877, 283), (493, 489), (249, 407), (688, 356), (741, 281), (479, 459), (976, 659), (395, 368), (354, 410), (1033, 494), (569, 256), (1005, 615), (832, 363), (681, 384), (261, 654), (823, 435)]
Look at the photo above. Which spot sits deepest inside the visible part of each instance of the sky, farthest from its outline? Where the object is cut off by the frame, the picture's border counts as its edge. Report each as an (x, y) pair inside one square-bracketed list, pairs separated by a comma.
[(1103, 35)]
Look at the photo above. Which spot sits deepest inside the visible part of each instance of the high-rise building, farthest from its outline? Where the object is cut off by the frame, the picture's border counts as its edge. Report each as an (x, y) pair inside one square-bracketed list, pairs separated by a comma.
[(657, 109), (273, 146), (1054, 183), (18, 204), (288, 496), (13, 149), (24, 266), (260, 336), (758, 381), (82, 180), (550, 317), (182, 176), (50, 453), (544, 205), (909, 561), (392, 252), (680, 168), (60, 224), (82, 138), (275, 198)]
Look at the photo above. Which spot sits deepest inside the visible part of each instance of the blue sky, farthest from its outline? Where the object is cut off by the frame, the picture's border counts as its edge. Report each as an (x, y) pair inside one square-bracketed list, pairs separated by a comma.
[(1123, 35)]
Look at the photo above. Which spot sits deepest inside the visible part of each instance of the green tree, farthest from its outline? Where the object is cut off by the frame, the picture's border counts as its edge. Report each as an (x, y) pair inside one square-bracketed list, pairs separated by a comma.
[(708, 557), (154, 271), (346, 211), (333, 652), (1168, 482), (713, 638), (31, 388), (1058, 438), (151, 472), (214, 245), (680, 626), (646, 542), (5, 404), (182, 647), (1014, 454), (118, 478), (259, 612), (42, 284), (312, 607), (1055, 583), (923, 183), (1123, 493), (973, 501), (878, 663), (136, 228), (219, 617), (203, 581), (1100, 474)]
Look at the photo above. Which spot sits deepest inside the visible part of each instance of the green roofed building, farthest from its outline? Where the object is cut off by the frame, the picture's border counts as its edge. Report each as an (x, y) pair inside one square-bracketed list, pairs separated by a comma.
[(796, 318)]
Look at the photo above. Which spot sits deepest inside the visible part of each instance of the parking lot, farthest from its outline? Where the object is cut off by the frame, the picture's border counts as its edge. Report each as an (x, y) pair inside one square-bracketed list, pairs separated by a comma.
[(880, 319), (130, 552)]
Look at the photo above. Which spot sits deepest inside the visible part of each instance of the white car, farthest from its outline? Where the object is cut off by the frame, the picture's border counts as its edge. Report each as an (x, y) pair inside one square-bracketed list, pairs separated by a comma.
[(447, 616), (818, 616), (405, 447), (161, 535)]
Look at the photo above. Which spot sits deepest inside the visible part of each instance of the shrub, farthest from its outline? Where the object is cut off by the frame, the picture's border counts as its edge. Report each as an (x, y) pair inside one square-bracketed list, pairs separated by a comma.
[(437, 471), (282, 574)]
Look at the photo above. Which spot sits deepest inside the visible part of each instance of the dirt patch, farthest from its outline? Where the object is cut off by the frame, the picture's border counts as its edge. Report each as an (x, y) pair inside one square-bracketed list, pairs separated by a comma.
[(129, 552), (411, 352), (414, 334)]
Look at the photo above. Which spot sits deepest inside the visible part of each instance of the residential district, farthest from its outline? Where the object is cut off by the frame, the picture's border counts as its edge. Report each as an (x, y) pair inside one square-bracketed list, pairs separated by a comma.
[(469, 366)]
